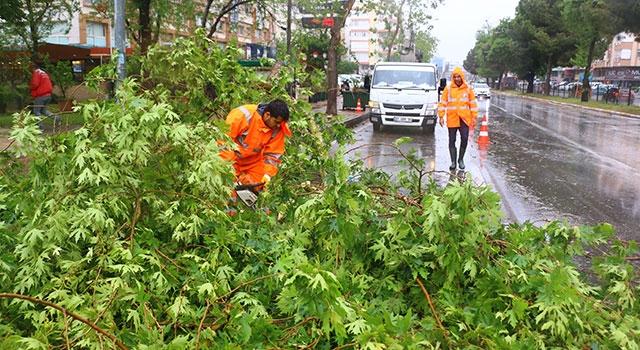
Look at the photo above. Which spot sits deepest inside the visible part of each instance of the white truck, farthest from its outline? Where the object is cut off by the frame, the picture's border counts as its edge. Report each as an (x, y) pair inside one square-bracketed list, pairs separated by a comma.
[(405, 94)]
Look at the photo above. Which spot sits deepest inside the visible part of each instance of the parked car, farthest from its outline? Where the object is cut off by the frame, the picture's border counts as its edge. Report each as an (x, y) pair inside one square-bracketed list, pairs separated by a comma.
[(623, 94), (618, 95), (481, 90)]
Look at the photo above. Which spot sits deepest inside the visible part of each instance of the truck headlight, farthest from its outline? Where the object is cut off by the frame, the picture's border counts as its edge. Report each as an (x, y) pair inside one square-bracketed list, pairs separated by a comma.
[(375, 107)]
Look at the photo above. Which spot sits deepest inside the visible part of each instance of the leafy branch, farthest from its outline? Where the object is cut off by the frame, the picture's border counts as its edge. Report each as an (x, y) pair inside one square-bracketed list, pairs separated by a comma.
[(65, 312)]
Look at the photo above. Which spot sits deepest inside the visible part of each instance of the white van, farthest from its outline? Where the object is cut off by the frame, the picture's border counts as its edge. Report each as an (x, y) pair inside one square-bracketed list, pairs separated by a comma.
[(405, 94)]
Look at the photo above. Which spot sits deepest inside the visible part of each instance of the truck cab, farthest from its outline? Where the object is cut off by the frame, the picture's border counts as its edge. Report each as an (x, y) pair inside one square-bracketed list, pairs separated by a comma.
[(404, 94)]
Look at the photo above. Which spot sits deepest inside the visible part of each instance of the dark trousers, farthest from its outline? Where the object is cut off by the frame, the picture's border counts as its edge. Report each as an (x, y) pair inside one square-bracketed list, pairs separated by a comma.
[(464, 135)]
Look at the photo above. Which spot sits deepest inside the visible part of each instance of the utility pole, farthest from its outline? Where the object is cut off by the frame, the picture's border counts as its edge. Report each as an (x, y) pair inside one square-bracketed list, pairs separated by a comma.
[(289, 28), (120, 38)]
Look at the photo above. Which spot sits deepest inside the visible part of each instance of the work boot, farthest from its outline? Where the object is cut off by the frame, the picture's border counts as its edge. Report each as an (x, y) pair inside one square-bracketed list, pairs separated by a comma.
[(460, 157), (57, 120), (452, 154)]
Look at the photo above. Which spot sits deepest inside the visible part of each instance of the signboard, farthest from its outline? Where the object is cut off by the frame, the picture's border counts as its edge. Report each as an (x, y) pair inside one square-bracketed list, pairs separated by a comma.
[(315, 23)]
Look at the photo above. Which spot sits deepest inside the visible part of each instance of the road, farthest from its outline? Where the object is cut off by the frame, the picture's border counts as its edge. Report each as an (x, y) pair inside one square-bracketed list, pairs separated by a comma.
[(555, 161), (548, 161)]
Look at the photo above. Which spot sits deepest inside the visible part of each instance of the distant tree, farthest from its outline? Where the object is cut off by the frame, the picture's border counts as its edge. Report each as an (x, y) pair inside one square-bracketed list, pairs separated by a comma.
[(33, 20), (426, 43), (625, 13), (10, 10), (594, 24), (402, 18), (504, 52), (548, 37), (347, 67)]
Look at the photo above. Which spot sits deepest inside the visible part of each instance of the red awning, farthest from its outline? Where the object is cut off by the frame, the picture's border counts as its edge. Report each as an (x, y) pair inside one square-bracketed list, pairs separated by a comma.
[(64, 52), (105, 51)]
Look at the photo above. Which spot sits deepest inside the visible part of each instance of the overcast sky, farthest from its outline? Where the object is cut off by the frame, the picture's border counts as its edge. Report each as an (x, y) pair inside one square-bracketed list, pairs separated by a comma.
[(456, 22)]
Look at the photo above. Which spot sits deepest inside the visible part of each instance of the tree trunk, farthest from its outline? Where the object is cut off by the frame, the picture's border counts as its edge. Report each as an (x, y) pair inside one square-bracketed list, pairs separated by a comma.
[(547, 77), (145, 25), (332, 57), (586, 88)]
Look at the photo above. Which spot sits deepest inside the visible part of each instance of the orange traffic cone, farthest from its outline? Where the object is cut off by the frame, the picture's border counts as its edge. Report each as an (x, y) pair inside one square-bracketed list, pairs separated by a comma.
[(483, 138), (358, 107)]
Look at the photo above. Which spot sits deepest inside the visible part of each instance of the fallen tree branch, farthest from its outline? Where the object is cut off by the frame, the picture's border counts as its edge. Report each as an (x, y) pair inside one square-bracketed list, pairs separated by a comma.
[(65, 312), (424, 290)]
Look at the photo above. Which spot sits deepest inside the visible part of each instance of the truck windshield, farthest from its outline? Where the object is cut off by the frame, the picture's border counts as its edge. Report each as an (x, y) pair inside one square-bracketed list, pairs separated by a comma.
[(392, 77)]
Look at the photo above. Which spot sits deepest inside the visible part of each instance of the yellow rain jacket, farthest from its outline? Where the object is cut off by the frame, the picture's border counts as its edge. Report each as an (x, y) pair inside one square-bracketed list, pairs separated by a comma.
[(458, 102)]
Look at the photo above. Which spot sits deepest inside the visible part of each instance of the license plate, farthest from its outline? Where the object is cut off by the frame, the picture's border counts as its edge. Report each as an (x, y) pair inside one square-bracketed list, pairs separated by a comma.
[(402, 119)]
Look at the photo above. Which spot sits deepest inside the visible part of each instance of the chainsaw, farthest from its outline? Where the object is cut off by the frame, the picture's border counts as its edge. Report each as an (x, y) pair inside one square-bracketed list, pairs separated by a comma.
[(248, 193)]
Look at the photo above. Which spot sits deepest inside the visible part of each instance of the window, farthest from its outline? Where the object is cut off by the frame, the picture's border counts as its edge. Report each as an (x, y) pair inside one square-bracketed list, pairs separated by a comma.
[(360, 23), (96, 34), (359, 45), (359, 35), (58, 34), (362, 57), (625, 54)]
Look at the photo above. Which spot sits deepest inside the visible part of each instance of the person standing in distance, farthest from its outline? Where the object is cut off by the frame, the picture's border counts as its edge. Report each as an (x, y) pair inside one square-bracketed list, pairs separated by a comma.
[(259, 132), (459, 104), (41, 89)]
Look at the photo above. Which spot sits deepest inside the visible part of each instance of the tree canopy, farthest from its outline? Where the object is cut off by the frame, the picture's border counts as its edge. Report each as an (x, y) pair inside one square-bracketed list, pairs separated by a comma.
[(545, 34), (26, 22)]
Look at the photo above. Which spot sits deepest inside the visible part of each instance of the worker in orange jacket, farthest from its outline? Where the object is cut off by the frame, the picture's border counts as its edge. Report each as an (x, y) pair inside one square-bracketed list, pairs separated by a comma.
[(259, 132), (459, 104)]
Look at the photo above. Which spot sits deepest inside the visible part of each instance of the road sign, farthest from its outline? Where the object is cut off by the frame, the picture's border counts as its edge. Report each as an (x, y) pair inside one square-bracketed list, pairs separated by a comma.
[(315, 23)]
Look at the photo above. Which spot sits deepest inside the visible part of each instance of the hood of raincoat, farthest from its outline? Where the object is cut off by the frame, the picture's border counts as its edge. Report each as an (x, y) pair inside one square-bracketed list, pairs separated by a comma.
[(459, 71)]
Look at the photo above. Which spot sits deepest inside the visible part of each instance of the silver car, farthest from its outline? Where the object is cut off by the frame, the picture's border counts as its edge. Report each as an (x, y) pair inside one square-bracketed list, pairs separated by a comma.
[(481, 90)]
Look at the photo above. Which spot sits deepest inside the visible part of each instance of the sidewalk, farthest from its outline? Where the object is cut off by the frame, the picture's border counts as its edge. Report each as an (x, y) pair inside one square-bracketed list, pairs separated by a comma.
[(351, 117)]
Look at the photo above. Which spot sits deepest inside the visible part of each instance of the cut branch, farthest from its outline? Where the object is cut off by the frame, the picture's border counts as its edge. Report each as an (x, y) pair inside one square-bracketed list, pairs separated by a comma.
[(65, 312), (424, 290)]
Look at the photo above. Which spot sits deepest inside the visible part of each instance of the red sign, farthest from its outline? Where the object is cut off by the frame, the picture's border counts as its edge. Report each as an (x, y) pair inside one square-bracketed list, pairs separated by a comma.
[(315, 23)]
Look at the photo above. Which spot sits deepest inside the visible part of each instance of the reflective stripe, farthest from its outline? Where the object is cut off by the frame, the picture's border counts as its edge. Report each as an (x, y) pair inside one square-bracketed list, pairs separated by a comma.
[(273, 155), (246, 113), (271, 161), (240, 139), (275, 133)]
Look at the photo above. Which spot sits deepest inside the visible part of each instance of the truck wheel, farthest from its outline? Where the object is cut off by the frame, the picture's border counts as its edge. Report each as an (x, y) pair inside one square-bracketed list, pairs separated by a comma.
[(376, 126)]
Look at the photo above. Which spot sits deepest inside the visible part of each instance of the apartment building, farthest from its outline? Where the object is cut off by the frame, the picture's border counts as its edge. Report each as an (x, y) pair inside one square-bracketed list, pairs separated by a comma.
[(362, 42), (621, 62), (93, 31)]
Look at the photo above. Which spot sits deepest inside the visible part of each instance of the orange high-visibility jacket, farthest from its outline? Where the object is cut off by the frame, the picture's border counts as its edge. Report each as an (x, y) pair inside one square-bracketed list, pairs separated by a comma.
[(260, 148), (458, 102)]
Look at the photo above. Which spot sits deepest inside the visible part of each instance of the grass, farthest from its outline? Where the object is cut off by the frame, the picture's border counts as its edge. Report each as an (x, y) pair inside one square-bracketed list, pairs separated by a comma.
[(71, 118)]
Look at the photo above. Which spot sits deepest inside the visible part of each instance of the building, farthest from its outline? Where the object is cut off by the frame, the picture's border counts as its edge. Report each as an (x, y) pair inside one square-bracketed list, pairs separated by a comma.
[(362, 42), (92, 29), (621, 62)]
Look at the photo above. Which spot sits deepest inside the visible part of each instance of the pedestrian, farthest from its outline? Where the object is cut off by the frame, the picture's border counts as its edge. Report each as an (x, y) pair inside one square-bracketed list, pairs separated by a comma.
[(459, 104), (259, 132), (41, 89)]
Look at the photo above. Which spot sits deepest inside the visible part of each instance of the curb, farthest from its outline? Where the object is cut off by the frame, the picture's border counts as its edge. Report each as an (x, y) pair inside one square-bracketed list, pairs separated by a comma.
[(357, 119)]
